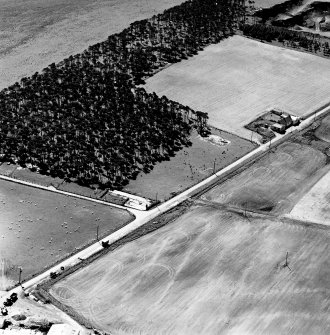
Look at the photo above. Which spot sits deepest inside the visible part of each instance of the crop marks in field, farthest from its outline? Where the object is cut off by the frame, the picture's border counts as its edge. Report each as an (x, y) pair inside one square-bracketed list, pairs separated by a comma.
[(209, 272), (271, 182)]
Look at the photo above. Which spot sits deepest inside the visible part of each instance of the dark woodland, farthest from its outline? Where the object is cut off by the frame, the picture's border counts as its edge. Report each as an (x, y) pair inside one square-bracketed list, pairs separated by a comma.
[(87, 120)]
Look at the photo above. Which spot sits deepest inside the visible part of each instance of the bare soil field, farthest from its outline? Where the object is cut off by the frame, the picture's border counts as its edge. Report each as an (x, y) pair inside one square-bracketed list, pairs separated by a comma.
[(189, 166), (315, 205), (208, 272), (35, 33), (39, 228), (275, 182), (236, 80)]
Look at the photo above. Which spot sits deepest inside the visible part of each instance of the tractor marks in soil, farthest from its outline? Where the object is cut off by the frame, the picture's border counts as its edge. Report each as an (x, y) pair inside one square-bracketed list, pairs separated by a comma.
[(208, 272), (273, 182)]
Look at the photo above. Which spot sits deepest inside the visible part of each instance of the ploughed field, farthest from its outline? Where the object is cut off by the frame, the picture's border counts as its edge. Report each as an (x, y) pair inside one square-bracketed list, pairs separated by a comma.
[(39, 228), (275, 182), (236, 80), (314, 205), (36, 33), (208, 272)]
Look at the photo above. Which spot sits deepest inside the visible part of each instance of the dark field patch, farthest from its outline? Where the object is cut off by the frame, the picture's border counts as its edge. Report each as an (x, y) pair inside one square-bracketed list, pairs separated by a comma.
[(272, 183)]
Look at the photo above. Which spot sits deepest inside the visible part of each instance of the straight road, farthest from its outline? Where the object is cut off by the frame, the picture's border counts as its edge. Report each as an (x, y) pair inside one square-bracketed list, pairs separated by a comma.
[(143, 217)]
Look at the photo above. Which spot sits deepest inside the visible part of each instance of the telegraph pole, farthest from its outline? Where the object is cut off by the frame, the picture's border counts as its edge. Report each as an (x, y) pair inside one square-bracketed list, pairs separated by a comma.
[(20, 275)]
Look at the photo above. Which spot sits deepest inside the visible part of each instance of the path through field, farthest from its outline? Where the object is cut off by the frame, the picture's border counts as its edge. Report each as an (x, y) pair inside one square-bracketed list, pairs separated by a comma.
[(238, 79), (209, 272)]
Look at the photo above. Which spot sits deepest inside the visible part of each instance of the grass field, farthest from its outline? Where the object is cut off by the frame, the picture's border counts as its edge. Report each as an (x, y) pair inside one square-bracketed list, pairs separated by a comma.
[(315, 205), (208, 272), (274, 182), (238, 79), (38, 228), (189, 166)]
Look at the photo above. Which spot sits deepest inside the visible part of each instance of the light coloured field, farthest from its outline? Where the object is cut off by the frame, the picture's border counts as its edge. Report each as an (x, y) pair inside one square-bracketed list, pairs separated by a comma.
[(39, 228), (237, 79), (315, 205), (274, 182), (35, 33), (209, 272)]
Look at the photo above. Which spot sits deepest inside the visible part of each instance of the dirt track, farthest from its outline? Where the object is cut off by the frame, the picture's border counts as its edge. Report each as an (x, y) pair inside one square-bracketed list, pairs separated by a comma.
[(209, 272)]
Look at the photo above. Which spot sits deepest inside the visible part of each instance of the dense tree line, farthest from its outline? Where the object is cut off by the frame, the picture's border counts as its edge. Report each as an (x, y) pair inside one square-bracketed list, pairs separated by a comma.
[(294, 39), (86, 120)]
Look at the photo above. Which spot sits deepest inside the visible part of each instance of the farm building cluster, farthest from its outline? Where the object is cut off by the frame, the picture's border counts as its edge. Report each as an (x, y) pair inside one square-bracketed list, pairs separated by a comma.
[(273, 121)]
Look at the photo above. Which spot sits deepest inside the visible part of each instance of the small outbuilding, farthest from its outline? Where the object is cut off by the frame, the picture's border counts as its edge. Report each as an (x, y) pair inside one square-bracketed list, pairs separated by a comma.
[(286, 120), (279, 128)]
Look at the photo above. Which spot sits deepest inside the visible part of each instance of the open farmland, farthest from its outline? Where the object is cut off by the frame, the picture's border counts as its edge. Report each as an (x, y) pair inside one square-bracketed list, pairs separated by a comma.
[(189, 166), (315, 205), (274, 182), (38, 228), (236, 80), (209, 272)]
